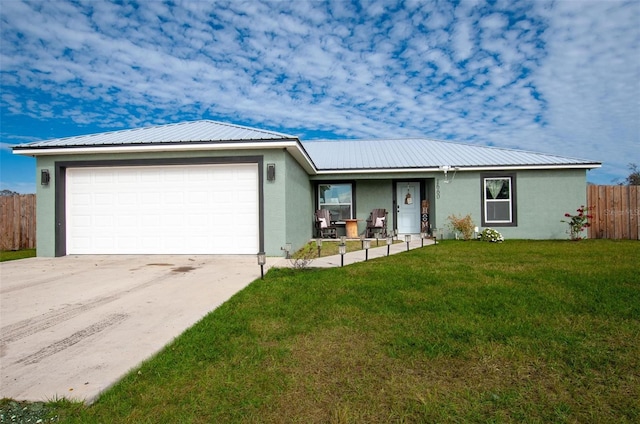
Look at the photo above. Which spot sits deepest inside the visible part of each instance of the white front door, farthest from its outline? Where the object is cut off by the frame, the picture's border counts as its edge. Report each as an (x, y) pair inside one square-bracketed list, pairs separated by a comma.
[(408, 198)]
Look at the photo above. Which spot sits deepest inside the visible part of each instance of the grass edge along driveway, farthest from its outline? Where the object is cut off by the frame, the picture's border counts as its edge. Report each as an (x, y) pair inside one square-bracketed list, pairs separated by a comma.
[(523, 331)]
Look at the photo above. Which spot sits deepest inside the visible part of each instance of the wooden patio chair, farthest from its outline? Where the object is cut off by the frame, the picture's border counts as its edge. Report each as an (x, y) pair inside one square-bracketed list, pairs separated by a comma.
[(377, 222), (324, 227)]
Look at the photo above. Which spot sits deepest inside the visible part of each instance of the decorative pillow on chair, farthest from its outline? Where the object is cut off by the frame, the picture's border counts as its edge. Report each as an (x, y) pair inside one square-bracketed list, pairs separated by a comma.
[(323, 222), (379, 222)]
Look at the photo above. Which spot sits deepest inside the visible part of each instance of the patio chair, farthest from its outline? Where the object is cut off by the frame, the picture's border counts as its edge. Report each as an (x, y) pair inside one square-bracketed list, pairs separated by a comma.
[(377, 222), (324, 227)]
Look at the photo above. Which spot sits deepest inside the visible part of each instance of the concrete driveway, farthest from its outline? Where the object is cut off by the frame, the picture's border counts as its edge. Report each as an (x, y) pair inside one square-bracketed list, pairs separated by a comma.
[(72, 326)]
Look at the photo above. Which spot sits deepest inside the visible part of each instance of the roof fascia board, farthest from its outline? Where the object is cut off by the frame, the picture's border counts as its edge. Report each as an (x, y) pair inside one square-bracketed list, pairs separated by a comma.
[(459, 169), (301, 155), (152, 147), (292, 146)]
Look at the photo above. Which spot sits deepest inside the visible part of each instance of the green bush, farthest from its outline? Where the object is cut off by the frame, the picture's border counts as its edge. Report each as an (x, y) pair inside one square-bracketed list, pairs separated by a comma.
[(491, 235)]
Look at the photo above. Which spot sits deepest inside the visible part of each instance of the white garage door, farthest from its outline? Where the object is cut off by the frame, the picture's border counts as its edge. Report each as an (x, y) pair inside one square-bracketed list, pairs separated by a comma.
[(194, 209)]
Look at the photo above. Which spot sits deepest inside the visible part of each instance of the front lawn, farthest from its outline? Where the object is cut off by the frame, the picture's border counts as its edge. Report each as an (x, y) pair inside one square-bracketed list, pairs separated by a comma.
[(523, 331)]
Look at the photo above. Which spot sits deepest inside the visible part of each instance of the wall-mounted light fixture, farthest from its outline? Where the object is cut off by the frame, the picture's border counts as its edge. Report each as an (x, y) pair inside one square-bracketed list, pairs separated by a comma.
[(446, 169), (45, 177), (271, 172)]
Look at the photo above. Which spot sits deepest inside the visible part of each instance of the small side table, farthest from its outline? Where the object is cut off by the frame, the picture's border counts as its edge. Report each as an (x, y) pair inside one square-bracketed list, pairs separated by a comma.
[(351, 227)]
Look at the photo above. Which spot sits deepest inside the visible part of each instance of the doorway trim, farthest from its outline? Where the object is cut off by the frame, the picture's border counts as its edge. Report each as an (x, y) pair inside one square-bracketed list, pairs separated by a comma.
[(416, 198)]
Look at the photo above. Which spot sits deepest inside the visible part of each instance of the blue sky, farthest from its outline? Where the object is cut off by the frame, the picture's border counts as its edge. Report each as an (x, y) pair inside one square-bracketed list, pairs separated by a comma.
[(558, 77)]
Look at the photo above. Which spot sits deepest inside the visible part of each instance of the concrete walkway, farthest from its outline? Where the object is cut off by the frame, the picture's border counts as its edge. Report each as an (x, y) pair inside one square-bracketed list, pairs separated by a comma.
[(357, 256)]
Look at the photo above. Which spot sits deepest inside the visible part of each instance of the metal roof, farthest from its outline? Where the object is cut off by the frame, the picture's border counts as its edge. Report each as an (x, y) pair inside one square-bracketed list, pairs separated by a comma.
[(185, 132), (420, 153), (339, 156)]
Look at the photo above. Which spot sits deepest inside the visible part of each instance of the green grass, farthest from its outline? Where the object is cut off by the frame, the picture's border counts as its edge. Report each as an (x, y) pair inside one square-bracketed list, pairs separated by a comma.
[(523, 331), (11, 255)]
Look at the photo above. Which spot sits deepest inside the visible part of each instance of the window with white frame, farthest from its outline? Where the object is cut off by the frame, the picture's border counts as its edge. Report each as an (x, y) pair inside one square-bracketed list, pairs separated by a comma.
[(498, 200), (338, 199)]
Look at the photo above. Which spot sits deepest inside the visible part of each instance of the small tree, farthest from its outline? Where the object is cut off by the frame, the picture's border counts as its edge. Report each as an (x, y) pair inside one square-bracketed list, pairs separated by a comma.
[(463, 225), (634, 176)]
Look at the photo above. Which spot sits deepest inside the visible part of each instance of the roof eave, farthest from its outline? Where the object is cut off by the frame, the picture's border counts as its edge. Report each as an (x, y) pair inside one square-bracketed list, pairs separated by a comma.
[(458, 168), (293, 146)]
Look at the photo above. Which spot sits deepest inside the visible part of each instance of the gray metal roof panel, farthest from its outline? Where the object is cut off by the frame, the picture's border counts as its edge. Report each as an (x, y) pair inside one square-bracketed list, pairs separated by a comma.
[(339, 155), (185, 132), (422, 153)]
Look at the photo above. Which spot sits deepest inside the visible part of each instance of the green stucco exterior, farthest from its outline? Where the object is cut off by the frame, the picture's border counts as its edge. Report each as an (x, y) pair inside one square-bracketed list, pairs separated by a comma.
[(542, 199), (298, 205), (278, 225), (377, 190), (289, 202), (288, 208), (373, 194), (45, 210)]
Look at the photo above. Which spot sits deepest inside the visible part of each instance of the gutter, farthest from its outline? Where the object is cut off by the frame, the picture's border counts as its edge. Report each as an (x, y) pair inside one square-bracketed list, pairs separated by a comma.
[(458, 168), (294, 147)]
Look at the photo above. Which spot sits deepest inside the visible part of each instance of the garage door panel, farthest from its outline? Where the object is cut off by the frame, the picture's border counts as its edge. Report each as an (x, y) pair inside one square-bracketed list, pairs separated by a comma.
[(205, 209), (104, 176), (197, 198), (125, 199), (103, 199), (150, 199), (104, 242)]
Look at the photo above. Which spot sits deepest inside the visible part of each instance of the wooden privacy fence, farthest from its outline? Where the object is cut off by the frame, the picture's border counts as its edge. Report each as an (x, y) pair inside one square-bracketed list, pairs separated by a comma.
[(616, 212), (18, 222)]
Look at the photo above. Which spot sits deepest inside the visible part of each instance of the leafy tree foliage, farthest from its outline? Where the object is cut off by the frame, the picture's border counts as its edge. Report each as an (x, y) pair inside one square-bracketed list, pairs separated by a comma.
[(634, 176)]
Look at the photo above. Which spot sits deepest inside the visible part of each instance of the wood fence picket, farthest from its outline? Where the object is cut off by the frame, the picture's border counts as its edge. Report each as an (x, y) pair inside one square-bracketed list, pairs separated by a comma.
[(18, 222), (616, 212)]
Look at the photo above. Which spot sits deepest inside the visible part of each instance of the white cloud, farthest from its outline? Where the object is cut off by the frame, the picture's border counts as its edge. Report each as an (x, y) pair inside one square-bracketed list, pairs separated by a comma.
[(559, 77)]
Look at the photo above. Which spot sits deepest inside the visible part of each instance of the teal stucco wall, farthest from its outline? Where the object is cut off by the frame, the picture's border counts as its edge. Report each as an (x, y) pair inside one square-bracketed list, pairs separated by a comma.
[(45, 210), (287, 205), (542, 196), (377, 190), (542, 199), (275, 220), (373, 194), (297, 206)]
